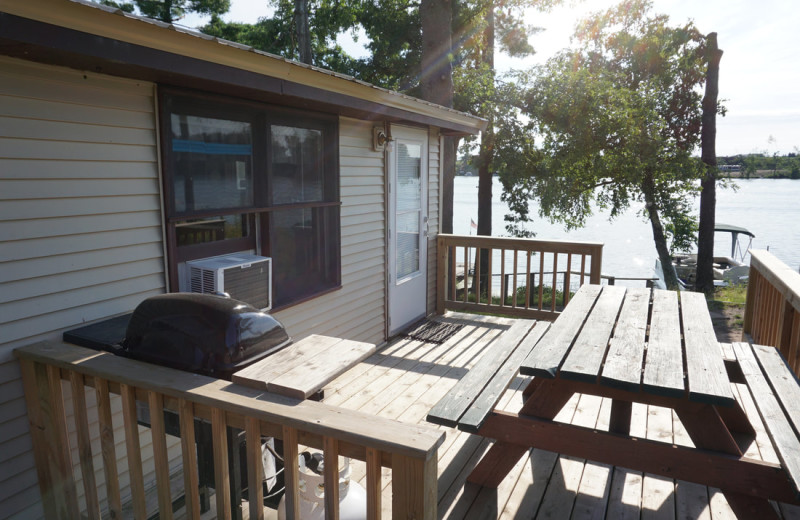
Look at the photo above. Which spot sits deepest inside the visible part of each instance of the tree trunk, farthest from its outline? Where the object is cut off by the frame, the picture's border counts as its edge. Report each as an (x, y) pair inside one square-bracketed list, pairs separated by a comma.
[(487, 144), (301, 30), (448, 155), (659, 238), (708, 195), (436, 85), (485, 156)]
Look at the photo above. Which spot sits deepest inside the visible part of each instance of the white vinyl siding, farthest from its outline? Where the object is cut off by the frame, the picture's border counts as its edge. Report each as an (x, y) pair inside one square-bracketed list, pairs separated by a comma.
[(434, 177), (357, 310), (80, 233)]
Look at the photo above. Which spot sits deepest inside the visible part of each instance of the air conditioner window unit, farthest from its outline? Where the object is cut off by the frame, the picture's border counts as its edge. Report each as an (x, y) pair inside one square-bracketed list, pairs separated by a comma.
[(243, 276)]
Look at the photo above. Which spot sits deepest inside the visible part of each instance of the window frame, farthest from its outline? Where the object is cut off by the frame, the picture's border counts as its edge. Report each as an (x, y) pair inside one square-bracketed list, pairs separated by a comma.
[(261, 117)]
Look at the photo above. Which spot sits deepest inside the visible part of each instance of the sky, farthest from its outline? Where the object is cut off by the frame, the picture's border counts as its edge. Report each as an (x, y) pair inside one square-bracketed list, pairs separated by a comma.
[(759, 80)]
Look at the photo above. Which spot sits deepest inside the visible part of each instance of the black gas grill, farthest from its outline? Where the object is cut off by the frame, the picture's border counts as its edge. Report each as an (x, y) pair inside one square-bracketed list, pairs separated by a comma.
[(202, 333), (199, 333)]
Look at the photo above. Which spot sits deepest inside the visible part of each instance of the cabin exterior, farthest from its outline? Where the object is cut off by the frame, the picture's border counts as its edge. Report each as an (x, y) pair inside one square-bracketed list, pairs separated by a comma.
[(130, 147)]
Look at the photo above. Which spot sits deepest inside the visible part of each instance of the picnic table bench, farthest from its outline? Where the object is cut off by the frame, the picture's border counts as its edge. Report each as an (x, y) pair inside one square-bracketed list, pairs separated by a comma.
[(636, 346)]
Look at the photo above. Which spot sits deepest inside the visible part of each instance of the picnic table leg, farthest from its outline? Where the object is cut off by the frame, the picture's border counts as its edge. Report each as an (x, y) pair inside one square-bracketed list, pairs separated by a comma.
[(746, 506), (545, 401), (708, 429), (620, 421)]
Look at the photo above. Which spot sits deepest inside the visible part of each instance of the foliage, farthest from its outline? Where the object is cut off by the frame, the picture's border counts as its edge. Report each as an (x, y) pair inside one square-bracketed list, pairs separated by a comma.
[(617, 120), (170, 10), (519, 295), (276, 34)]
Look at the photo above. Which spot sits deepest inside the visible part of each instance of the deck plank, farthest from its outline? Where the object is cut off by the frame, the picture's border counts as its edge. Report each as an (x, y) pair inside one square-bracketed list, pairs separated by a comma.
[(658, 493), (585, 358)]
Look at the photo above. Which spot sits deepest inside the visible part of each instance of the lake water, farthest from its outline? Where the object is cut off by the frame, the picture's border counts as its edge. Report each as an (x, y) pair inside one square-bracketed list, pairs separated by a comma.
[(769, 208)]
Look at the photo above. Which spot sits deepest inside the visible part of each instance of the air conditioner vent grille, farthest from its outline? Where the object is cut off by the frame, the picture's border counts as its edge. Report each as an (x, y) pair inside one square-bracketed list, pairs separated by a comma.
[(202, 280)]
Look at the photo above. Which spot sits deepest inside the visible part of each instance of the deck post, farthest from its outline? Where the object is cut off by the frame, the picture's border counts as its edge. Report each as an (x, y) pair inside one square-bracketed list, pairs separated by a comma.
[(50, 442), (414, 487), (442, 250), (597, 263)]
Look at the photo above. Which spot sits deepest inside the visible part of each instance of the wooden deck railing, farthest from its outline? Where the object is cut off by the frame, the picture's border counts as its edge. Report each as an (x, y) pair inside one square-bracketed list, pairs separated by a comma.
[(772, 312), (409, 450), (512, 276)]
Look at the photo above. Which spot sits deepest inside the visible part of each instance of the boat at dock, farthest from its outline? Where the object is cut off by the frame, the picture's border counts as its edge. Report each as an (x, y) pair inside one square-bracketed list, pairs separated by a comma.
[(727, 269)]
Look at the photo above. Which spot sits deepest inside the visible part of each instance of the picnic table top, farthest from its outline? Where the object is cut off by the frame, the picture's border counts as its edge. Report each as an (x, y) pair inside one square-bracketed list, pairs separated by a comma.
[(662, 343)]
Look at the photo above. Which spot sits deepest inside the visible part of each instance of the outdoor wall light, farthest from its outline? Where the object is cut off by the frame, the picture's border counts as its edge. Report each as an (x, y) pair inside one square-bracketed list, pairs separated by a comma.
[(381, 137)]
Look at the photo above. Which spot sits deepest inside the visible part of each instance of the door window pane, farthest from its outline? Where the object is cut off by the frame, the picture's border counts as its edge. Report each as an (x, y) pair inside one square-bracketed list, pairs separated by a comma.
[(408, 209), (297, 165), (407, 244), (212, 163), (409, 194)]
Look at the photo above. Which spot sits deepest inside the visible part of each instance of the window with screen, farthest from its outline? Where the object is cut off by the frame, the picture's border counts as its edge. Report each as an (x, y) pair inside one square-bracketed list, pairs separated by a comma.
[(242, 176)]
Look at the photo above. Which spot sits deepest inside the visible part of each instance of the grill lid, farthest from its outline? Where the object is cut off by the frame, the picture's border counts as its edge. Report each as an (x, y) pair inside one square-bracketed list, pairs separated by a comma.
[(202, 333)]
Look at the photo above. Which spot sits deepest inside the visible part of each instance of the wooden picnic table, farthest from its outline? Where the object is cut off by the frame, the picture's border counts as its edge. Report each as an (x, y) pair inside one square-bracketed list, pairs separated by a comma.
[(630, 345)]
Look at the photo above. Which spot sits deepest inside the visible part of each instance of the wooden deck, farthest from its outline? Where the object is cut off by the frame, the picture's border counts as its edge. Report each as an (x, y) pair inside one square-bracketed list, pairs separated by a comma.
[(406, 378)]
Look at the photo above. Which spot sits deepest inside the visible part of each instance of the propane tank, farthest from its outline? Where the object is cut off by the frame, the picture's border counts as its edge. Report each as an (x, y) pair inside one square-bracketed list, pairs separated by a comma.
[(311, 486)]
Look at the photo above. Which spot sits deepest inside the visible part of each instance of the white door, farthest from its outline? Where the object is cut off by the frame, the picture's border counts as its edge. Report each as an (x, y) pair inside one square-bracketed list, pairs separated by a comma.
[(408, 220)]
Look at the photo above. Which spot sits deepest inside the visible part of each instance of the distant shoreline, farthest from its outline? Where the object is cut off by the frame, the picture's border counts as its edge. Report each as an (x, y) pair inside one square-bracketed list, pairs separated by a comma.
[(759, 174)]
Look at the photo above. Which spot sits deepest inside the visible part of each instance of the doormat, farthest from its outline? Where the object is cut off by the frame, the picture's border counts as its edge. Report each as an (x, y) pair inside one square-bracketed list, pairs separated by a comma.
[(432, 331)]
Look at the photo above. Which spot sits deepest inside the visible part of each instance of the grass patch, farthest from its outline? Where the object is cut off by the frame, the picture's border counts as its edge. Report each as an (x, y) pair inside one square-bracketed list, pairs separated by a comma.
[(735, 294)]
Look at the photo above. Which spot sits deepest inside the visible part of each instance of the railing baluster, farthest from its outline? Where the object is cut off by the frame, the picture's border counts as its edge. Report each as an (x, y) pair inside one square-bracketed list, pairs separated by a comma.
[(541, 281), (291, 497), (219, 434), (191, 480), (160, 457), (84, 445), (503, 284), (567, 279), (134, 450), (331, 457), (514, 291), (374, 487), (477, 275), (555, 283), (466, 272), (490, 253), (583, 268), (452, 255), (255, 469), (528, 280), (107, 448)]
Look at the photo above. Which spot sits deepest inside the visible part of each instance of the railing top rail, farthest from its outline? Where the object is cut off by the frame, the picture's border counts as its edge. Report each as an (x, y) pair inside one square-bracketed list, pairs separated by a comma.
[(358, 428), (561, 246), (780, 275)]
